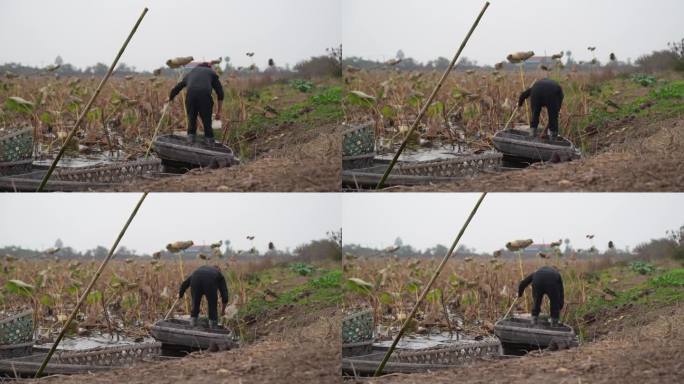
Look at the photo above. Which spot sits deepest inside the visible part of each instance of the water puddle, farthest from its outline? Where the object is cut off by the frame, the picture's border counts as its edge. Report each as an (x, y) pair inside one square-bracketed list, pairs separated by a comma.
[(439, 152), (418, 342), (96, 340), (81, 161)]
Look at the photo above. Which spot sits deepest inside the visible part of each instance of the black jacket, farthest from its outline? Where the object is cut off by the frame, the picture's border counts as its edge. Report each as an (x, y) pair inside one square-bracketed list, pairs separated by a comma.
[(544, 92), (201, 80), (206, 279), (545, 280)]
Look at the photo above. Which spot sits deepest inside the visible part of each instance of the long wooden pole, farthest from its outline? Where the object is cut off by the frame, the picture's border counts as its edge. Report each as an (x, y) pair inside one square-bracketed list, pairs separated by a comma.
[(90, 103), (173, 306), (156, 130), (378, 371), (431, 98), (90, 286)]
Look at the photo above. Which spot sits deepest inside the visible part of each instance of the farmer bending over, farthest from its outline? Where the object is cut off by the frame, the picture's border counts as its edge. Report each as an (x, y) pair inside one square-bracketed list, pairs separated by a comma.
[(544, 93), (546, 281), (206, 281), (200, 81)]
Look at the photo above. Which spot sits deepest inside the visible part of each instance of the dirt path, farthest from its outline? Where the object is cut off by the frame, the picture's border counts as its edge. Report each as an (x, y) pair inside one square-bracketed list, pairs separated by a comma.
[(303, 347), (644, 156), (639, 354), (295, 159)]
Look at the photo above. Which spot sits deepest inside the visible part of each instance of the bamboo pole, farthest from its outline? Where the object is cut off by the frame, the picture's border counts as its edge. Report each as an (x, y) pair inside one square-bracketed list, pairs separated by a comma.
[(90, 286), (173, 306), (431, 98), (378, 371), (156, 130), (90, 103)]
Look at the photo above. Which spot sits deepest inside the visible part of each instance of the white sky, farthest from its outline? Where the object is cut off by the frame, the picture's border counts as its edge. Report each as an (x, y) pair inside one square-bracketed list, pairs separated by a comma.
[(424, 220), (85, 32), (86, 220), (426, 29)]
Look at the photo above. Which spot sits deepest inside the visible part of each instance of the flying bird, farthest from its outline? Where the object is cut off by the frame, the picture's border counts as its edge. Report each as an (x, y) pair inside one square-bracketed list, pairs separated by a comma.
[(271, 63), (543, 255), (52, 251), (591, 48), (217, 245), (590, 237), (556, 243), (271, 246), (611, 245), (250, 237), (250, 54)]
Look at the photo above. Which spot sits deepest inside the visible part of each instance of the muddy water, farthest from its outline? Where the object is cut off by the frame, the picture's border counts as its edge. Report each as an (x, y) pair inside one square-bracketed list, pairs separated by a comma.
[(416, 342), (439, 152), (82, 161), (94, 341), (445, 152)]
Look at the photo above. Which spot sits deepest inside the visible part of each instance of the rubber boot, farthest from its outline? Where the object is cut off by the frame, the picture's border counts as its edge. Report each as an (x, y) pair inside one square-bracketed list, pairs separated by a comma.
[(191, 138), (193, 321), (213, 324), (554, 322), (535, 320), (553, 136)]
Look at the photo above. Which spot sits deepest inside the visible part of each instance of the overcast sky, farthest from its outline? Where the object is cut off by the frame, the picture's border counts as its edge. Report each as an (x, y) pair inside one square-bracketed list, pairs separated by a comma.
[(424, 220), (85, 32), (86, 220), (426, 29)]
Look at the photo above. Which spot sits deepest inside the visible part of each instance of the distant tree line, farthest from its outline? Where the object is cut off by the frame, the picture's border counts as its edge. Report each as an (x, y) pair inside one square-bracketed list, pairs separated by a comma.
[(324, 65), (667, 59)]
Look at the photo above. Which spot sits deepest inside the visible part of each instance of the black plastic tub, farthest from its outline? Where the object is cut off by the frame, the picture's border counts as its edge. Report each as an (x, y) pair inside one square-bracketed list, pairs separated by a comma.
[(519, 334), (518, 144), (178, 336), (177, 151)]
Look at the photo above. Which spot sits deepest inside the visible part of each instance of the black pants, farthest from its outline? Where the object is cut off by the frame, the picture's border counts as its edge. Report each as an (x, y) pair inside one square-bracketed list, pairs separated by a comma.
[(552, 108), (199, 103), (208, 290), (538, 292)]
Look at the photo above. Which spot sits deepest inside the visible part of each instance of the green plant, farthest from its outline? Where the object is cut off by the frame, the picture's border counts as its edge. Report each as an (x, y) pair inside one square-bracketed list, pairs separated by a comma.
[(301, 85), (302, 269), (674, 278), (642, 267), (643, 80)]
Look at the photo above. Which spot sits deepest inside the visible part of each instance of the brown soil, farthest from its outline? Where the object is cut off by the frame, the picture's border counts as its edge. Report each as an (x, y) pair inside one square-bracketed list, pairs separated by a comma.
[(291, 158), (646, 349), (301, 346), (633, 155)]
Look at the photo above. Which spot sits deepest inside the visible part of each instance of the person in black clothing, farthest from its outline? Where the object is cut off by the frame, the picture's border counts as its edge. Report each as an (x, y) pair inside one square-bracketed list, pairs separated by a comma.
[(200, 81), (544, 93), (545, 281), (206, 281)]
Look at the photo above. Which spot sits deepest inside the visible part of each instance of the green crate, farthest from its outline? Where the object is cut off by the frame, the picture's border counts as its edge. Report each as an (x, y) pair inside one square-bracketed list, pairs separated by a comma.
[(359, 140), (17, 146), (17, 329), (358, 327)]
